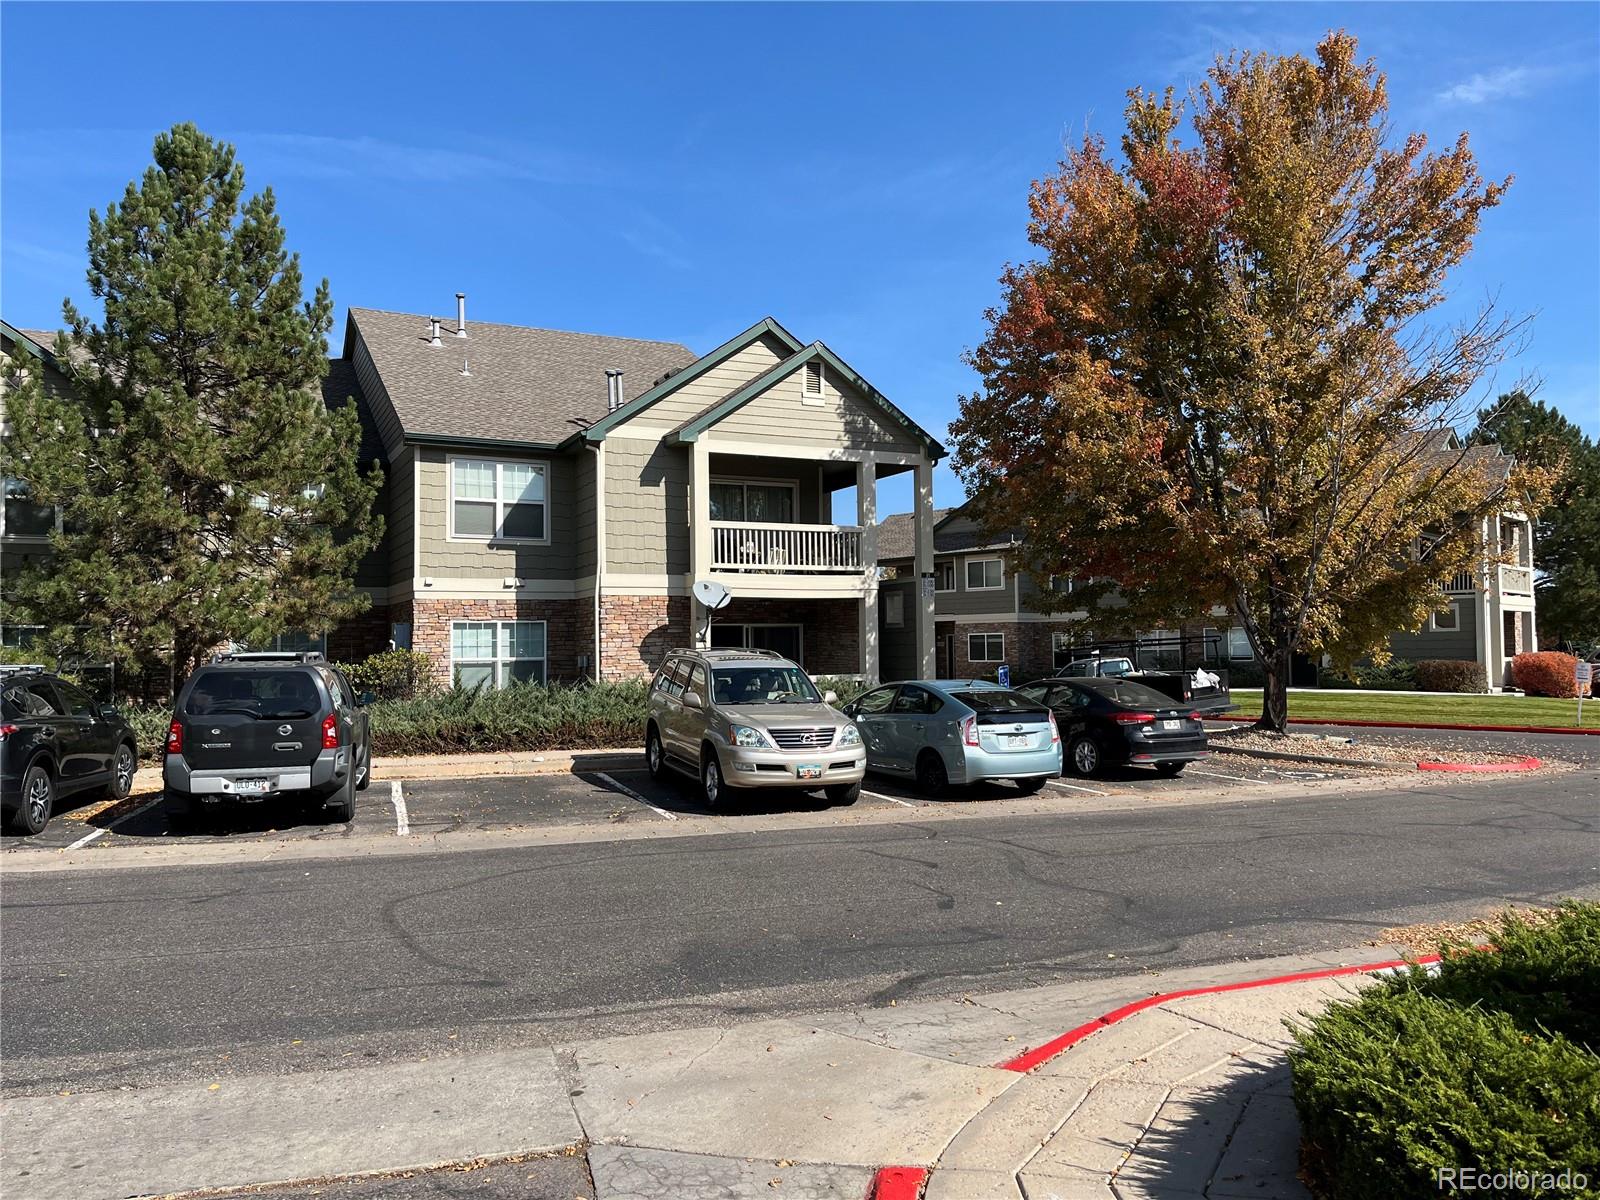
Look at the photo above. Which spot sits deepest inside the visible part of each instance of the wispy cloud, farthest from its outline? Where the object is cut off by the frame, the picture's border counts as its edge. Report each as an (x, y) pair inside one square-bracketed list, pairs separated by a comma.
[(652, 236), (1502, 84)]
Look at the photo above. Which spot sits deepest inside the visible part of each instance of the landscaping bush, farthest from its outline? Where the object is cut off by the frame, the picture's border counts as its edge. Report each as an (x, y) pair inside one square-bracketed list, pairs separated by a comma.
[(1487, 1065), (1450, 675), (1547, 673), (1245, 673), (150, 723), (846, 687), (394, 675), (466, 720), (1396, 675)]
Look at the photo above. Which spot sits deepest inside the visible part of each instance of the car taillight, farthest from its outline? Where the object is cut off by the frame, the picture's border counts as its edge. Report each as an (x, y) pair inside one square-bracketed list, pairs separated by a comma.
[(330, 732), (969, 730), (1195, 715), (1055, 732), (175, 738), (1124, 718), (7, 730)]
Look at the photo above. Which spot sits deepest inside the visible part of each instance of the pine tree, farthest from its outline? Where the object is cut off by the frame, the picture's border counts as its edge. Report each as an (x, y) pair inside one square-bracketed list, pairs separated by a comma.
[(207, 491)]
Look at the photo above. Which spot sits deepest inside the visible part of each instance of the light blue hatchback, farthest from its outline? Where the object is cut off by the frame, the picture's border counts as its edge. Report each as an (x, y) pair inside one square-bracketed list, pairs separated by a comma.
[(951, 732)]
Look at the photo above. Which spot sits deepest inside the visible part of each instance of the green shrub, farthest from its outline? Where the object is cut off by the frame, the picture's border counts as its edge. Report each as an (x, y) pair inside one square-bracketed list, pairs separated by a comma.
[(846, 687), (1396, 675), (466, 720), (1245, 673), (1450, 675), (150, 723), (394, 675)]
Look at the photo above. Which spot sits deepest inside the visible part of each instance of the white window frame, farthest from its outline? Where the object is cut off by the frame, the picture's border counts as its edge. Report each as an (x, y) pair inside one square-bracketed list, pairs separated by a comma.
[(500, 503), (1227, 645), (32, 538), (1072, 584), (743, 481), (987, 587), (500, 660), (986, 636), (1455, 616), (813, 368), (948, 564)]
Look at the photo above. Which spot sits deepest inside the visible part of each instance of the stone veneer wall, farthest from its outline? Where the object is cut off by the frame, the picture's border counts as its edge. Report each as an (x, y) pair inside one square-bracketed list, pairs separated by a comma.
[(636, 632), (568, 630)]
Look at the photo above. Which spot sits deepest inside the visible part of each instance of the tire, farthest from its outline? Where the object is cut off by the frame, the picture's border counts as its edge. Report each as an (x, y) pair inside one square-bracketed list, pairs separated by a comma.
[(1084, 756), (123, 764), (1171, 769), (933, 780), (1029, 786), (655, 755), (843, 793), (711, 785), (38, 800), (341, 806), (184, 810), (364, 780)]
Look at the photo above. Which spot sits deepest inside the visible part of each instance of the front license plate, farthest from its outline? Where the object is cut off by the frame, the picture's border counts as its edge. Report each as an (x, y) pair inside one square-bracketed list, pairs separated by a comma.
[(1016, 740), (808, 771), (1170, 724), (252, 787)]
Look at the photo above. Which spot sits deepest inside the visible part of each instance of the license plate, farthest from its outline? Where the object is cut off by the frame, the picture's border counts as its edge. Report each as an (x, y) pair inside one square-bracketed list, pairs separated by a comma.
[(808, 772), (1171, 724), (1016, 740), (252, 787)]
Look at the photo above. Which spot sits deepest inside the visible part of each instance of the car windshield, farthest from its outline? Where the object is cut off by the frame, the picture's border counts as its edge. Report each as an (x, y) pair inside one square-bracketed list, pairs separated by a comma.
[(995, 700), (762, 685), (1129, 694), (267, 695)]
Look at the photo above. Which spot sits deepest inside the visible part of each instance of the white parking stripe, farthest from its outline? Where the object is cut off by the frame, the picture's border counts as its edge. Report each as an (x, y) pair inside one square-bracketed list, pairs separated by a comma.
[(1220, 775), (890, 799), (628, 791), (127, 816), (402, 819), (1076, 788)]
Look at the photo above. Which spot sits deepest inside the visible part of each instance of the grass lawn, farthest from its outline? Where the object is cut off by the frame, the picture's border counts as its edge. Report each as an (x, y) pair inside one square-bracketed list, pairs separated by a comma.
[(1465, 710)]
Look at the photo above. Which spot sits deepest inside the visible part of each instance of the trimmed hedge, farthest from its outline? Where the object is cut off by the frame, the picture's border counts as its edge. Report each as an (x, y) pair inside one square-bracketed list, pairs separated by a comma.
[(1546, 673), (1396, 675), (1483, 1066), (1450, 675)]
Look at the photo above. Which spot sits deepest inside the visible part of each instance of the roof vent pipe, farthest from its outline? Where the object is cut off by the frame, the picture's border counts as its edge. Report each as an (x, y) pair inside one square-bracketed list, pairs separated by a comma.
[(613, 390), (433, 331), (461, 314)]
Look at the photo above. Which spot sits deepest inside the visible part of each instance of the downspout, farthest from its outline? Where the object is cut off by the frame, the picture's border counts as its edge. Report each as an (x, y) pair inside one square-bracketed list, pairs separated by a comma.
[(599, 449)]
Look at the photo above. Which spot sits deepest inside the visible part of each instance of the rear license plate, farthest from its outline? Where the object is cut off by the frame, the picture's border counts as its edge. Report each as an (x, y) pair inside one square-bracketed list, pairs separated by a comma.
[(1171, 724), (252, 787), (1016, 741), (808, 771)]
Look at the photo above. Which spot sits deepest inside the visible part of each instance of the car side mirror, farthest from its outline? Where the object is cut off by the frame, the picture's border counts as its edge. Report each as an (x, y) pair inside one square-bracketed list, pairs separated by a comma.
[(109, 710), (830, 697), (693, 700), (364, 698)]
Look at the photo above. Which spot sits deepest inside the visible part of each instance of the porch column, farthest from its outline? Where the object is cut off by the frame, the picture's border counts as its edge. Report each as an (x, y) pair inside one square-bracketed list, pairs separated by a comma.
[(867, 518), (699, 529), (922, 597)]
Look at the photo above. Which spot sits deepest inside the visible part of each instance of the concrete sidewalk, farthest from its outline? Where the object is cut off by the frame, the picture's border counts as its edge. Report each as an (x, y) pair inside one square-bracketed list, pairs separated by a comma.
[(1185, 1099)]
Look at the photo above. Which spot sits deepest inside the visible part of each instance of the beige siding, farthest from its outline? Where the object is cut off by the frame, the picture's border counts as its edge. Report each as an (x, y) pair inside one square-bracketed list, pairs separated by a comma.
[(844, 419), (716, 384), (399, 532), (377, 396), (483, 560), (647, 508)]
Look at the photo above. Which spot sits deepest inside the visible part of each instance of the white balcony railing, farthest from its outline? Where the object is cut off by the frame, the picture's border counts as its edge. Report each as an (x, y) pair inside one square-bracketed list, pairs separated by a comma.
[(1516, 581), (1462, 581), (744, 546)]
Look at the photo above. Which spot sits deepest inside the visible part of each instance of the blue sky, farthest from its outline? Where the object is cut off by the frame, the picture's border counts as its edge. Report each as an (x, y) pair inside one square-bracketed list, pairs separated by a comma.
[(676, 172)]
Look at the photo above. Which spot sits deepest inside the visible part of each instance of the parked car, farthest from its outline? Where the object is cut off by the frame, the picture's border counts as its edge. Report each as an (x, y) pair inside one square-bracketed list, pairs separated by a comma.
[(247, 727), (736, 719), (1202, 688), (945, 732), (57, 741), (1112, 720)]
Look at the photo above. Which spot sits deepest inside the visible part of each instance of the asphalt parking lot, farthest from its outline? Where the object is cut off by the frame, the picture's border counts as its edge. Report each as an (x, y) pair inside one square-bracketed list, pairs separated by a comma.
[(618, 797)]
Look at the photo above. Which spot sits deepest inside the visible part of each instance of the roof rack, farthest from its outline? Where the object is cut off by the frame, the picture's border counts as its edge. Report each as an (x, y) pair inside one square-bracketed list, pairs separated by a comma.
[(737, 652), (247, 656), (23, 669)]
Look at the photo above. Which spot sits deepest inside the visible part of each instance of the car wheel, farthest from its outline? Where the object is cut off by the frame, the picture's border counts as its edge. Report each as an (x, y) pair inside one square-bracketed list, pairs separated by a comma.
[(932, 779), (364, 772), (1029, 786), (843, 793), (711, 780), (1169, 769), (123, 765), (38, 800), (1084, 755), (655, 757), (341, 806), (184, 810)]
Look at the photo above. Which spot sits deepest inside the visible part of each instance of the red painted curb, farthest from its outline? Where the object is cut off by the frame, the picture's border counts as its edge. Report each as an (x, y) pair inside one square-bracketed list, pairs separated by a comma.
[(1522, 764), (1419, 725), (1030, 1059), (898, 1183)]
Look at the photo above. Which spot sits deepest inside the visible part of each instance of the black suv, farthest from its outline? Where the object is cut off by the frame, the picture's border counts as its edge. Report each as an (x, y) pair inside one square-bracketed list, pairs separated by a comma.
[(250, 726), (55, 741)]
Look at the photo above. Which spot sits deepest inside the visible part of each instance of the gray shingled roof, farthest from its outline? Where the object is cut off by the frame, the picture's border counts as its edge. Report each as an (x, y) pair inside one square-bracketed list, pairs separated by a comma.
[(527, 385), (897, 537)]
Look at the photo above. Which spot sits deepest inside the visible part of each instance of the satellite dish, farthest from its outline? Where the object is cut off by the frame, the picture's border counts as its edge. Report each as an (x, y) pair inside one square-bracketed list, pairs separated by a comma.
[(712, 595)]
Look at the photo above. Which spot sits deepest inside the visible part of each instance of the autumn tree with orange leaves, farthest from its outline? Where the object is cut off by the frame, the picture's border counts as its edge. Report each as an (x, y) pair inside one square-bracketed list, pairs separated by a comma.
[(1217, 386)]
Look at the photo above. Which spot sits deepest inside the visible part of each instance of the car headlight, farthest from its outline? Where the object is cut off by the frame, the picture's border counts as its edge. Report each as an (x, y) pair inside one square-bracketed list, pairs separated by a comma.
[(850, 737), (746, 735)]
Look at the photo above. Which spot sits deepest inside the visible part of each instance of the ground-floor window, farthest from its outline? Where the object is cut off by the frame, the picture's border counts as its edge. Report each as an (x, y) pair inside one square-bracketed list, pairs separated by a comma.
[(297, 643), (786, 640), (986, 647), (1239, 643), (497, 654), (21, 637), (1448, 621)]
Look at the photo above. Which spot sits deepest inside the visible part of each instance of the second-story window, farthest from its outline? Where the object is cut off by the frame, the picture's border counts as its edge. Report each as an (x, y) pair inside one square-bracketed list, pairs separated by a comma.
[(499, 501), (944, 576), (22, 517), (985, 574)]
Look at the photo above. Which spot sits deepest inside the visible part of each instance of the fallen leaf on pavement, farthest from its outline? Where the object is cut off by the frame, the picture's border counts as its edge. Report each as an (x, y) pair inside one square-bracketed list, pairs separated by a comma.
[(214, 1087)]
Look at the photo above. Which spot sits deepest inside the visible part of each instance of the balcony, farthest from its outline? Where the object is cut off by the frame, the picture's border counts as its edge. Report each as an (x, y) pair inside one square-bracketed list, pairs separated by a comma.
[(1516, 581), (752, 547), (1462, 582)]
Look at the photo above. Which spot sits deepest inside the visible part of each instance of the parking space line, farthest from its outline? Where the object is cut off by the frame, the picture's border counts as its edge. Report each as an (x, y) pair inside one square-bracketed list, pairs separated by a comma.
[(890, 799), (1297, 774), (1076, 788), (1220, 775), (127, 816), (402, 819), (628, 791)]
